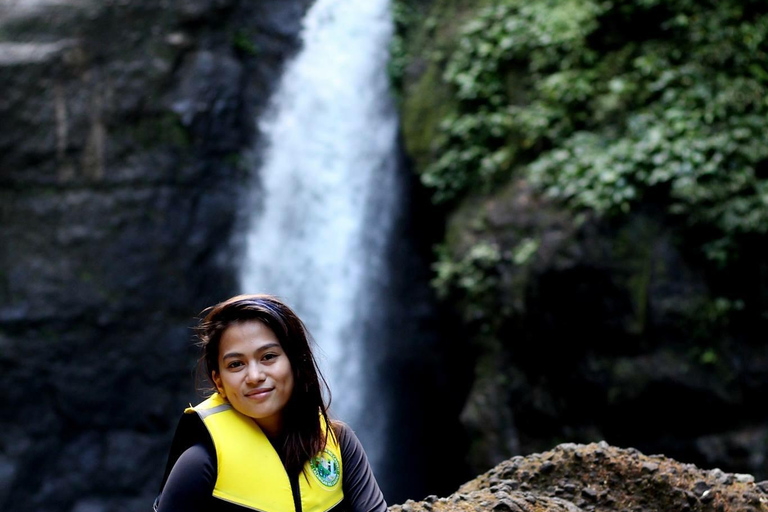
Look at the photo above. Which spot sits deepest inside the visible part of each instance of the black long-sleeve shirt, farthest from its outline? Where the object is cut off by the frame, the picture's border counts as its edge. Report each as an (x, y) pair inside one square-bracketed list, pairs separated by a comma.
[(190, 483)]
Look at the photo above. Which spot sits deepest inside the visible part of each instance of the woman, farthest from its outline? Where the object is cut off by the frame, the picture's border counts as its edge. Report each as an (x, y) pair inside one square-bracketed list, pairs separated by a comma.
[(263, 440)]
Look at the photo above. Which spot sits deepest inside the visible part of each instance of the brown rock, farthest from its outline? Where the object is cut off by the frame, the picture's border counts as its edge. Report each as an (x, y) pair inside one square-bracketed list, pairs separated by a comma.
[(599, 478)]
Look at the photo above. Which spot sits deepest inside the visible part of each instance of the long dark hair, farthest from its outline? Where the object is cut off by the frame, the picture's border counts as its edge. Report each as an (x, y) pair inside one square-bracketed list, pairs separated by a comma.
[(304, 437)]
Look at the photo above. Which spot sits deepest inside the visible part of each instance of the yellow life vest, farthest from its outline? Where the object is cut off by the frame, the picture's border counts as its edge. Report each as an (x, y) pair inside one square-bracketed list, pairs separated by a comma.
[(250, 472)]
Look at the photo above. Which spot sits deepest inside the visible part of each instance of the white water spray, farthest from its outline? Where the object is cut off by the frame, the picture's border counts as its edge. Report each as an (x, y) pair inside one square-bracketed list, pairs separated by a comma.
[(328, 192)]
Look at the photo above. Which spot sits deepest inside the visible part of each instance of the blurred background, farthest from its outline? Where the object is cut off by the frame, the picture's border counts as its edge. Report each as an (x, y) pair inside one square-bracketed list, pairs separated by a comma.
[(507, 224)]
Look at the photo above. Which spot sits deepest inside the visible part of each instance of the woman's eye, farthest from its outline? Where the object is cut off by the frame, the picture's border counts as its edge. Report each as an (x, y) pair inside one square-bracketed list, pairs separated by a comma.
[(269, 357), (234, 364)]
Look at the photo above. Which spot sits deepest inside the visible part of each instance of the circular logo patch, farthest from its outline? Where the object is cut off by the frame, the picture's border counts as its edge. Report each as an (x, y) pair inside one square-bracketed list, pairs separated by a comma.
[(326, 468)]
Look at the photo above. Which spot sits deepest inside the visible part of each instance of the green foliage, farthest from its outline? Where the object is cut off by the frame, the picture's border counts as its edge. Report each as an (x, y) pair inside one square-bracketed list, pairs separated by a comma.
[(709, 356), (606, 105), (540, 32), (425, 33), (479, 147), (471, 277), (525, 251), (403, 18), (470, 141)]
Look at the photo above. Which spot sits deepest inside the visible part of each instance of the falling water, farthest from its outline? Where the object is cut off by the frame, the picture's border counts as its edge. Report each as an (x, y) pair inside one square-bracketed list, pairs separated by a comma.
[(327, 189)]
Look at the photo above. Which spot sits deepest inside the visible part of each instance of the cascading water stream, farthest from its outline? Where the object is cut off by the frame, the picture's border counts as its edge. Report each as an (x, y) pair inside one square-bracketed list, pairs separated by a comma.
[(327, 188)]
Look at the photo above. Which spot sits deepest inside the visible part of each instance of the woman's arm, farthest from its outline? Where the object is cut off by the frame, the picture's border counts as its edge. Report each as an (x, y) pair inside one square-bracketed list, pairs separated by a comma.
[(190, 483), (361, 491)]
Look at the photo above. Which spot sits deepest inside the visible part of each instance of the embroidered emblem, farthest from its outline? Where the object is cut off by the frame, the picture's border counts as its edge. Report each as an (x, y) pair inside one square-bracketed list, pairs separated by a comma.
[(325, 467)]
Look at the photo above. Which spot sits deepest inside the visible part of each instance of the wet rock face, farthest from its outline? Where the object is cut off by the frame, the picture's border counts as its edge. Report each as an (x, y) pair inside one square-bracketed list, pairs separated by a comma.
[(612, 331), (121, 130), (599, 478)]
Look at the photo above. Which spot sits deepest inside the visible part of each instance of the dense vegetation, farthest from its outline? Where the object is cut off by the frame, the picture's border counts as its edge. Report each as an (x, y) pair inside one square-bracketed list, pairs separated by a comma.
[(608, 105)]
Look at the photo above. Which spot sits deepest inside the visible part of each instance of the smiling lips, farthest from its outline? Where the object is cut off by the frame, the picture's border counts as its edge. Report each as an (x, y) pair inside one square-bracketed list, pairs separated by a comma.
[(258, 393)]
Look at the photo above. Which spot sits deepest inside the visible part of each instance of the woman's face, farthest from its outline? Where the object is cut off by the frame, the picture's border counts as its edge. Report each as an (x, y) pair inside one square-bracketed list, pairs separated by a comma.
[(255, 374)]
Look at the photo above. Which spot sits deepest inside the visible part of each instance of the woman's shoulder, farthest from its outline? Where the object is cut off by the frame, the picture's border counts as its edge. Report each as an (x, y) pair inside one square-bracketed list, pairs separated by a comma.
[(345, 435), (340, 427), (191, 481), (349, 444)]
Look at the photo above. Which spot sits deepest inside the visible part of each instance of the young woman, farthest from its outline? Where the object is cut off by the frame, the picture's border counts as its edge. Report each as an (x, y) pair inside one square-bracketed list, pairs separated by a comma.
[(263, 440)]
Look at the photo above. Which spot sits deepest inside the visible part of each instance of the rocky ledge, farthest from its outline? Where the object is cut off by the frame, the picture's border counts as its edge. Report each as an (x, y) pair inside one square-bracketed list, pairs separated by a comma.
[(599, 478)]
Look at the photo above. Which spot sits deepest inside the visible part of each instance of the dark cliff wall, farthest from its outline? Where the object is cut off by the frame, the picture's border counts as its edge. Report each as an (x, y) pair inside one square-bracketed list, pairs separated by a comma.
[(588, 324), (122, 129)]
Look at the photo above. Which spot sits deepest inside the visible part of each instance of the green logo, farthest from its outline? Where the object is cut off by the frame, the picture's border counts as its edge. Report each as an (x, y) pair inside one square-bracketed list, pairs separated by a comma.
[(326, 468)]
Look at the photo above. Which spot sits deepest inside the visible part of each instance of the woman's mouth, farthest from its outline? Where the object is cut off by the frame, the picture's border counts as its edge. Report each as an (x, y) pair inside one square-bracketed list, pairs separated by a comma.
[(258, 393)]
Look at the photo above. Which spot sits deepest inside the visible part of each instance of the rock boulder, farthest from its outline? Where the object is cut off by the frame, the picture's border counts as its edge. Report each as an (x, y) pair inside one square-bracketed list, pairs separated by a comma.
[(599, 478)]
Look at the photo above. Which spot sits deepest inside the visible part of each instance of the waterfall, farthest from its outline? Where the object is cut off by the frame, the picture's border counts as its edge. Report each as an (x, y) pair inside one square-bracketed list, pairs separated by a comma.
[(327, 196)]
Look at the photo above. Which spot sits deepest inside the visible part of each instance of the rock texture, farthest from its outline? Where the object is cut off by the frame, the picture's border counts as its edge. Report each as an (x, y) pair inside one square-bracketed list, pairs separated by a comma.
[(612, 331), (123, 130), (599, 478)]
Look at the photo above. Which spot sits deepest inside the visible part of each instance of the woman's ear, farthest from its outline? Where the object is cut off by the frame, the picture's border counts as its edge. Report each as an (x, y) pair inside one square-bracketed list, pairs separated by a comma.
[(217, 382)]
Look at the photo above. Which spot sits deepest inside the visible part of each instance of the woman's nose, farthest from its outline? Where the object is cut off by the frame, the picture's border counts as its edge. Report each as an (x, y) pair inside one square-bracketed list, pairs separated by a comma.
[(254, 373)]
